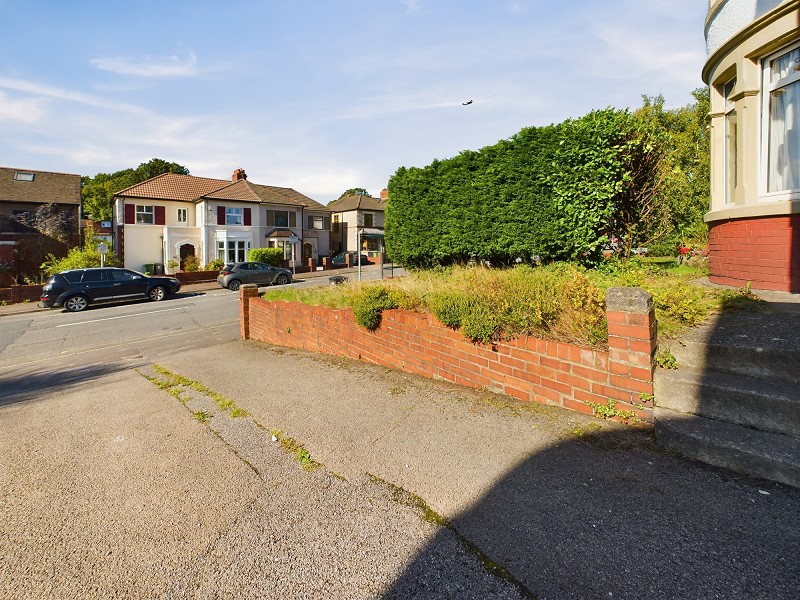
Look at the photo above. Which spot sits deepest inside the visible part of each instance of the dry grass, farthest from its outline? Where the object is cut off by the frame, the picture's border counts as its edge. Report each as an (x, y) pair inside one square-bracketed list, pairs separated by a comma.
[(559, 301)]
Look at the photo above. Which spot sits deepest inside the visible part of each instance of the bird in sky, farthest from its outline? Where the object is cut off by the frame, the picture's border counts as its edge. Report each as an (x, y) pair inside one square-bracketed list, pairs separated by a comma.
[(466, 103)]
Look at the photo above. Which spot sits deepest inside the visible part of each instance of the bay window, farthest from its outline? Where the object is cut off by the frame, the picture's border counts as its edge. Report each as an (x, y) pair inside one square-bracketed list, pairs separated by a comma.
[(729, 149), (782, 110), (232, 250)]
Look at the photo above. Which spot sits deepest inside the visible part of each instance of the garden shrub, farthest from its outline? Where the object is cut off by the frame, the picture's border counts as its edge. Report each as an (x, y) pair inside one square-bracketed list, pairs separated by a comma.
[(481, 322), (682, 302), (369, 305), (215, 265), (450, 307), (270, 256), (191, 264)]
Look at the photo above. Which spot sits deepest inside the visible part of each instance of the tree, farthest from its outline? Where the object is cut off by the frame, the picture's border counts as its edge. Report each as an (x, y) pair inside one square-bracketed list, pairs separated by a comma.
[(48, 230), (98, 192), (684, 189), (78, 258), (354, 192)]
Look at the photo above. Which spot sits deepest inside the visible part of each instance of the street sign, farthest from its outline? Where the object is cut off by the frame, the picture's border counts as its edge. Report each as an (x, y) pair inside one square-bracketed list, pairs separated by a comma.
[(293, 239), (102, 248)]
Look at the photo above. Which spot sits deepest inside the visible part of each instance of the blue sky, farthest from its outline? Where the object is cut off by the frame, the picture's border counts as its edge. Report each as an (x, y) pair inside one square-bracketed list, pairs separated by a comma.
[(318, 95)]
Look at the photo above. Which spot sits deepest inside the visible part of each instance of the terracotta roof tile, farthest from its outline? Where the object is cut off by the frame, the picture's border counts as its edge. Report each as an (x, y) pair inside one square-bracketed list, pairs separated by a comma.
[(46, 187), (172, 186), (189, 188)]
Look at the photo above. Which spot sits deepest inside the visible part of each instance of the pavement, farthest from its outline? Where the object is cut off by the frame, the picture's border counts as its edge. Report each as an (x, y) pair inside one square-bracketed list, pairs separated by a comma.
[(567, 505), (426, 490)]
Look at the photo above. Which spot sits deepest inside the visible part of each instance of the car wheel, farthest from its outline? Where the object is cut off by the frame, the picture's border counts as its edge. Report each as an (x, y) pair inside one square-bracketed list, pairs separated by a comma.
[(282, 279), (234, 285), (157, 293), (76, 303)]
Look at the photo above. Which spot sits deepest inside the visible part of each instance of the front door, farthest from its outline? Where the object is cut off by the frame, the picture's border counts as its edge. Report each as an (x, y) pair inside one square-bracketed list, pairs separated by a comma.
[(310, 250), (186, 250)]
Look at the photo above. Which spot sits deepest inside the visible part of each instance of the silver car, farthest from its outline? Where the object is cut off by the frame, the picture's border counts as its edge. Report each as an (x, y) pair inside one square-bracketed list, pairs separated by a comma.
[(234, 275)]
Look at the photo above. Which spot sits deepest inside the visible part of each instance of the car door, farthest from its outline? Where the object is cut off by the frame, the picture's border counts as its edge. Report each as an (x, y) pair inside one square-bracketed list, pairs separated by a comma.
[(248, 273), (96, 284), (128, 284), (266, 273)]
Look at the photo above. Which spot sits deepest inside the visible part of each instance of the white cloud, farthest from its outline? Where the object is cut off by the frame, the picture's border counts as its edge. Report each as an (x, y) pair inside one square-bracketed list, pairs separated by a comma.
[(20, 111), (46, 91), (411, 5), (163, 67)]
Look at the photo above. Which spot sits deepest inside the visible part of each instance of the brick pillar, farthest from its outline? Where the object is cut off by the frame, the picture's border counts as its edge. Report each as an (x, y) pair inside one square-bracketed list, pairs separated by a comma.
[(247, 291), (312, 265), (348, 260), (326, 263), (632, 339)]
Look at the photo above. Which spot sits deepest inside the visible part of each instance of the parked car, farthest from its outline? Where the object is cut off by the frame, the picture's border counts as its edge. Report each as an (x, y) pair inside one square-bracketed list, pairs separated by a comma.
[(341, 259), (77, 288), (234, 275)]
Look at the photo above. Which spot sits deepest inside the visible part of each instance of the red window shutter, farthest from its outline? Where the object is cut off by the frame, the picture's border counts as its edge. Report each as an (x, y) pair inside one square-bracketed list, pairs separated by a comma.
[(161, 217), (130, 214), (220, 215), (247, 217)]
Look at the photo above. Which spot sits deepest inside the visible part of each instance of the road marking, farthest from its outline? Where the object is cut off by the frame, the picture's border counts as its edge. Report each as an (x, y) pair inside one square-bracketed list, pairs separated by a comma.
[(150, 312)]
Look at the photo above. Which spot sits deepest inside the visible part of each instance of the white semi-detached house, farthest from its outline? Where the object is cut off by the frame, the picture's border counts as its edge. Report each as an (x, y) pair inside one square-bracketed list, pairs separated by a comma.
[(170, 217)]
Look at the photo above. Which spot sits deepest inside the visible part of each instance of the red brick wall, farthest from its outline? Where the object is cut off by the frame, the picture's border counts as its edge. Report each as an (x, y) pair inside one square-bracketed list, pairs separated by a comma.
[(21, 293), (528, 369), (764, 251), (196, 276)]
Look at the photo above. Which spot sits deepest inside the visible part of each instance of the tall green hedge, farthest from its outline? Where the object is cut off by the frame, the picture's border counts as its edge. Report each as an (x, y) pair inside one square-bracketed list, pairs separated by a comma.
[(556, 192)]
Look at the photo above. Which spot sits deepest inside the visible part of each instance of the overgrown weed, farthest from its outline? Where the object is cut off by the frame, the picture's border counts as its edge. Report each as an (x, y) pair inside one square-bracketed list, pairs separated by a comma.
[(560, 301)]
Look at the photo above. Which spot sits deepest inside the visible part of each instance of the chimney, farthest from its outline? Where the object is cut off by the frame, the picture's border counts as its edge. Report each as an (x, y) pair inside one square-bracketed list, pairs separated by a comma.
[(384, 194), (238, 175)]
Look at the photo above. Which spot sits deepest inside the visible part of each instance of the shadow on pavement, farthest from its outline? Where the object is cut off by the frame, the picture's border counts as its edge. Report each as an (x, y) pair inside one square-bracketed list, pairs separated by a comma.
[(606, 516), (34, 386)]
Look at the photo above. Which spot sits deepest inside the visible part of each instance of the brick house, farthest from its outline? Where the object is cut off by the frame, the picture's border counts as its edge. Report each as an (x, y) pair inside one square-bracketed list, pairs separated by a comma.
[(38, 216)]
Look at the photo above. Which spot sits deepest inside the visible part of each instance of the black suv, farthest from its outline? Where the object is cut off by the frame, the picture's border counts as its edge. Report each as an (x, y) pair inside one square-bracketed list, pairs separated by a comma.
[(75, 289)]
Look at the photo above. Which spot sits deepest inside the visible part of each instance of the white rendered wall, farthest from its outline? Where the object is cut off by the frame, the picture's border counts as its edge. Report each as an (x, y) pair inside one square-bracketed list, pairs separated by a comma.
[(732, 17)]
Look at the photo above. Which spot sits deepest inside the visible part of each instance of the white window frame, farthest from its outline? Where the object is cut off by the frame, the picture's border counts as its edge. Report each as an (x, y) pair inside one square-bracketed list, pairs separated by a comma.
[(234, 215), (145, 215), (183, 215), (768, 89)]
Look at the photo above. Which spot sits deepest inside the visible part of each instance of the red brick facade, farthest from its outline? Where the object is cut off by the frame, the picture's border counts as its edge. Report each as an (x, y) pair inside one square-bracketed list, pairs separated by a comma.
[(764, 251), (528, 369)]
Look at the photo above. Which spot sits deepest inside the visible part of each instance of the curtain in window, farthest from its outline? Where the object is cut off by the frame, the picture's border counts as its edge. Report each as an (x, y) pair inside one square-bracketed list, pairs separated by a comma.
[(784, 126)]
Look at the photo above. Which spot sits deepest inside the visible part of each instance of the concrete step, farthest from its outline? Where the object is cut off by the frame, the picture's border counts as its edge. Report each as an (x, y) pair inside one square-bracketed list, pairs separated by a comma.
[(752, 344), (758, 361), (758, 453), (765, 404)]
